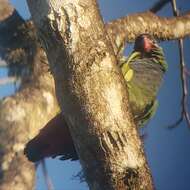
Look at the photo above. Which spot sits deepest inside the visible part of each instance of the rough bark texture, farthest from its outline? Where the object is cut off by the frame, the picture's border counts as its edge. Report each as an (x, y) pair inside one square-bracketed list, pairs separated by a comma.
[(23, 114), (126, 29), (92, 94), (6, 9), (29, 109)]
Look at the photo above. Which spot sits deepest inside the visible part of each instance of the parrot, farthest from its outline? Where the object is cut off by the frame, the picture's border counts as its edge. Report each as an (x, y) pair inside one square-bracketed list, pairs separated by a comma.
[(143, 71)]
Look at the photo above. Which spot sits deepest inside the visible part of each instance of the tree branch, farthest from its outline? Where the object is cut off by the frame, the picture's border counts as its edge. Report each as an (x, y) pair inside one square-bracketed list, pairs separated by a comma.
[(126, 29), (46, 177), (184, 78), (22, 115)]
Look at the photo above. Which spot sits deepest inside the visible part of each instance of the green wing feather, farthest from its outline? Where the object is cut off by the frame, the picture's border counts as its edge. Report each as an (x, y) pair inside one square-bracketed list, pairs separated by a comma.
[(144, 82)]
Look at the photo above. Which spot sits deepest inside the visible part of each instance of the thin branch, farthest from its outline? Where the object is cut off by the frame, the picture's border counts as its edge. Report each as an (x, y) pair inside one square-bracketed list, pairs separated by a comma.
[(171, 126), (184, 73), (159, 5), (46, 176), (185, 112)]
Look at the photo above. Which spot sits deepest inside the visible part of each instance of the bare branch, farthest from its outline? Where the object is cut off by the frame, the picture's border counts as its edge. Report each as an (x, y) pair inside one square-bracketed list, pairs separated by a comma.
[(184, 74), (23, 114), (126, 29), (184, 112), (46, 176)]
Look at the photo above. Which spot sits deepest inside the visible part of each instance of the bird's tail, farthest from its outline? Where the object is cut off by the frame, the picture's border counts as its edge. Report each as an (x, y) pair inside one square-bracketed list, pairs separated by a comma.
[(53, 140)]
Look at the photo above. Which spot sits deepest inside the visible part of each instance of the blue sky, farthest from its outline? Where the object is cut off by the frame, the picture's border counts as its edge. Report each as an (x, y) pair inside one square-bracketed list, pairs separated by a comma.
[(168, 151)]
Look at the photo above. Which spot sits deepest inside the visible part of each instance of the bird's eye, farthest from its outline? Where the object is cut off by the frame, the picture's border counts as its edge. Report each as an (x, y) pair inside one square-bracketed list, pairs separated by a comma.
[(154, 42)]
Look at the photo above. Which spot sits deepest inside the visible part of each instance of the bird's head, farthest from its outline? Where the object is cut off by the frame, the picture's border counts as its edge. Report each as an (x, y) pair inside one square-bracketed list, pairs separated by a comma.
[(145, 43)]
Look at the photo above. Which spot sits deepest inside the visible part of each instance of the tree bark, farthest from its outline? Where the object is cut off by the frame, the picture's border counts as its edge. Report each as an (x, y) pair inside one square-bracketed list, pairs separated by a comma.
[(38, 89), (92, 94), (126, 29), (23, 114)]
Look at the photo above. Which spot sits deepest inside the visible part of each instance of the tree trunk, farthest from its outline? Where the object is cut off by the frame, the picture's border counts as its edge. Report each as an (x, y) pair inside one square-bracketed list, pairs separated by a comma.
[(73, 32), (92, 94)]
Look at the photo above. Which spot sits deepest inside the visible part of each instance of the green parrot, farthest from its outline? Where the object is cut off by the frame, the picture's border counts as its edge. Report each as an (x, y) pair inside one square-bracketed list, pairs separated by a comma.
[(143, 71)]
